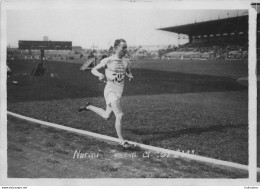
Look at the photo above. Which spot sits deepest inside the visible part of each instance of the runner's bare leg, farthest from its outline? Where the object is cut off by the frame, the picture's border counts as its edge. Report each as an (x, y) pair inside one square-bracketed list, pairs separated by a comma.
[(103, 113), (116, 107)]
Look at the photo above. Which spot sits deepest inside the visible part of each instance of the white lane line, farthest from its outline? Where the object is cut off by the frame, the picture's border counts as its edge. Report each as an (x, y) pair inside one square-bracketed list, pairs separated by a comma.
[(142, 146)]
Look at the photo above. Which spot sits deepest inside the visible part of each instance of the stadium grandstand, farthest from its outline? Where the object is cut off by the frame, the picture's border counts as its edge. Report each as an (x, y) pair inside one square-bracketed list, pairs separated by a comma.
[(215, 39)]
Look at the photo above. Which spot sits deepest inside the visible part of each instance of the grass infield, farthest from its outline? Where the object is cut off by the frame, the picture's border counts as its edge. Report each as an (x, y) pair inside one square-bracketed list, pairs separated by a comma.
[(185, 105)]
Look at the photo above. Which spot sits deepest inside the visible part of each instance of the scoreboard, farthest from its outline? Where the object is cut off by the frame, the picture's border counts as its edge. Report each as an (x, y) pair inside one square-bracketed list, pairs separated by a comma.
[(45, 45)]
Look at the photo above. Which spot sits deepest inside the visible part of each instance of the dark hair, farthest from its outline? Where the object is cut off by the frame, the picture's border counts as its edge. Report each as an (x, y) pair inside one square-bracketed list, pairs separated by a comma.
[(118, 41)]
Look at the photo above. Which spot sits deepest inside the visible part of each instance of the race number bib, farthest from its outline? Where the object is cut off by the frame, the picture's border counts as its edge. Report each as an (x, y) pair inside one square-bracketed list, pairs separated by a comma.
[(118, 77)]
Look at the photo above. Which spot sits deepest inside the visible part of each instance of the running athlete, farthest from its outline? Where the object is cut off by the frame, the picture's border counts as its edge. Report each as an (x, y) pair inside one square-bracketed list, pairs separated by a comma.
[(116, 68)]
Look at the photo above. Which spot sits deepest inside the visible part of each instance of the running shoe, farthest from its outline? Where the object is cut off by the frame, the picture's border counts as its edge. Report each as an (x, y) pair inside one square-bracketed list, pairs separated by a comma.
[(126, 145), (84, 108)]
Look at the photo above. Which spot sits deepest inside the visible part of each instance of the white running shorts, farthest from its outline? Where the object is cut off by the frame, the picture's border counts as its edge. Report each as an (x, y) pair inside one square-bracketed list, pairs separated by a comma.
[(113, 92)]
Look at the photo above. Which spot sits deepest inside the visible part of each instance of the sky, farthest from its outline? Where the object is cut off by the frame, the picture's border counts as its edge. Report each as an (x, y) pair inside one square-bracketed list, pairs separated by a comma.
[(99, 24)]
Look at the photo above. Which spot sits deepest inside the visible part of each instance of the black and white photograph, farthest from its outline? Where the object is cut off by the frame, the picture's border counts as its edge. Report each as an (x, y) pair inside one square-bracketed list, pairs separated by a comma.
[(155, 91)]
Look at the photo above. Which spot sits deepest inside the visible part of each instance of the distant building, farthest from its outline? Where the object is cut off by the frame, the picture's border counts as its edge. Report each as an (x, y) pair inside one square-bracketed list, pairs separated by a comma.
[(77, 48)]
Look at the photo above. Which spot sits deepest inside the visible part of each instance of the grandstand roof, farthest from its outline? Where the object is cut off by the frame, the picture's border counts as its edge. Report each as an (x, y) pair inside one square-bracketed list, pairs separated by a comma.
[(227, 25)]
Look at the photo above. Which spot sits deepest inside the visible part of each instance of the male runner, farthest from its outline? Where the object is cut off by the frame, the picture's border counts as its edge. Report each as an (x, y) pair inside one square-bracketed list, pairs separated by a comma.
[(116, 68)]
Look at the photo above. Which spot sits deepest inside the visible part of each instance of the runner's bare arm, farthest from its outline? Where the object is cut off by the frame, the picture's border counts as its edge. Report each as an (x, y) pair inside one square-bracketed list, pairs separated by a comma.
[(95, 71), (128, 71)]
